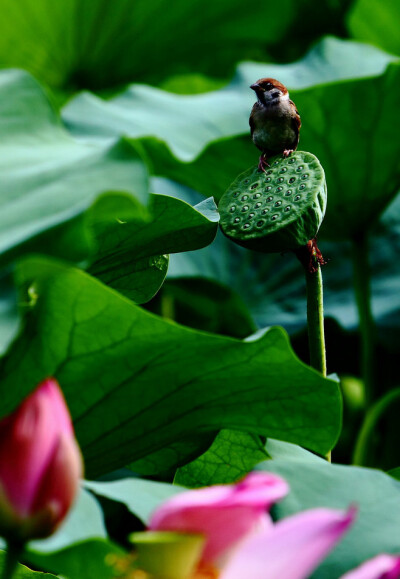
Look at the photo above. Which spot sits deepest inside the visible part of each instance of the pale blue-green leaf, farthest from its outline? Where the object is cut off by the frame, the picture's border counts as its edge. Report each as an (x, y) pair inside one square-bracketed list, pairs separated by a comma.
[(287, 451), (331, 60), (187, 123), (9, 319), (48, 179), (316, 483), (140, 496), (84, 521)]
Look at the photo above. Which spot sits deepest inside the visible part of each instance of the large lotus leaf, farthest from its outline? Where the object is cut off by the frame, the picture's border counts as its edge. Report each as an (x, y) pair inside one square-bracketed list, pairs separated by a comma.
[(140, 496), (83, 522), (164, 462), (232, 455), (316, 483), (92, 558), (187, 123), (8, 313), (23, 572), (353, 130), (130, 253), (395, 473), (330, 60), (48, 180), (113, 222), (184, 123), (199, 119), (204, 304), (135, 383), (97, 44), (376, 22)]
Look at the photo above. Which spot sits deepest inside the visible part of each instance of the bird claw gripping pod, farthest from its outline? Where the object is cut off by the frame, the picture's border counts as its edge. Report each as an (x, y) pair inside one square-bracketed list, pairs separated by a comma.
[(279, 210)]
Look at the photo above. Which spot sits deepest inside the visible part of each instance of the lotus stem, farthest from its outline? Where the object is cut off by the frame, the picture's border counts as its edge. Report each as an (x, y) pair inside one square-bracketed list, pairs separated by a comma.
[(13, 553), (311, 259)]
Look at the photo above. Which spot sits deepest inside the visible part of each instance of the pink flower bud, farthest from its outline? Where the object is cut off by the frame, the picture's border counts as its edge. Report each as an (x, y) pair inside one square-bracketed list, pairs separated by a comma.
[(224, 514), (40, 465)]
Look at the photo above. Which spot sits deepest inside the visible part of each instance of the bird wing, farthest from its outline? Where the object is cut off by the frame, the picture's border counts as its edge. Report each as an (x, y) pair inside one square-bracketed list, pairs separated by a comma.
[(296, 123), (251, 119)]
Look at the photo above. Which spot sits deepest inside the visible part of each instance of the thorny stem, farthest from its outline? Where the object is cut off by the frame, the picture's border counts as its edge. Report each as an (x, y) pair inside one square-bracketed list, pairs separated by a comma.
[(362, 290)]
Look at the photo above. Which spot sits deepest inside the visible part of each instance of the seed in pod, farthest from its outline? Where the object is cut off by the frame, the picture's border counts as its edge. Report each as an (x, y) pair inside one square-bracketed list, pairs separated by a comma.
[(279, 226)]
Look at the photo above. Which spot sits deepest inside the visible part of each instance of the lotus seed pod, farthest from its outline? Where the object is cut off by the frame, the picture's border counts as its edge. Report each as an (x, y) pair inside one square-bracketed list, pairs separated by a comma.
[(279, 210)]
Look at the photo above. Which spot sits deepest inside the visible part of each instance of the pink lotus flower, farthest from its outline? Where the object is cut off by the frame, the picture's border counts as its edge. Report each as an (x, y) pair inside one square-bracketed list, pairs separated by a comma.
[(40, 465), (380, 567), (236, 549), (225, 514), (292, 549)]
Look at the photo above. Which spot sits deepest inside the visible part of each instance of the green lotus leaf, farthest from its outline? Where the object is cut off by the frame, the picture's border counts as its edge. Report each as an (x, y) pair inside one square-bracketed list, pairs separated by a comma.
[(376, 22), (134, 401), (96, 44)]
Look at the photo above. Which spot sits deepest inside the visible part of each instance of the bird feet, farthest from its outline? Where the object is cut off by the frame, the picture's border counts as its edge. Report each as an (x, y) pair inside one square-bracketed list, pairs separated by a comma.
[(262, 163), (286, 153)]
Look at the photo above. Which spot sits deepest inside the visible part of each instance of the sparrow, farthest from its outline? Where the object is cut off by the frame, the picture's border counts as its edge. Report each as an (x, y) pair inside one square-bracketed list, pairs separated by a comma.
[(274, 121)]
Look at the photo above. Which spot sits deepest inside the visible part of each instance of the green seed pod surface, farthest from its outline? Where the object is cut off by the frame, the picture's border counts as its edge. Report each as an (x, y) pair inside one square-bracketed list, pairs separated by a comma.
[(279, 210)]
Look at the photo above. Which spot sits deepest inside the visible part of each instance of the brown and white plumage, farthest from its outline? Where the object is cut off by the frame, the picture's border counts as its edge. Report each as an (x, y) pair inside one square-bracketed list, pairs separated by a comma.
[(274, 120)]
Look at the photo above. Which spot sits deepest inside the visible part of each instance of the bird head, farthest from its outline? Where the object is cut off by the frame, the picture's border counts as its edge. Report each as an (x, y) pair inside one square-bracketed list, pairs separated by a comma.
[(270, 91)]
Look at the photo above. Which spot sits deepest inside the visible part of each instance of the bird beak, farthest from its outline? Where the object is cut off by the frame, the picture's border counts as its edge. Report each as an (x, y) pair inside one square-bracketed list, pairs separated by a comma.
[(254, 86)]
